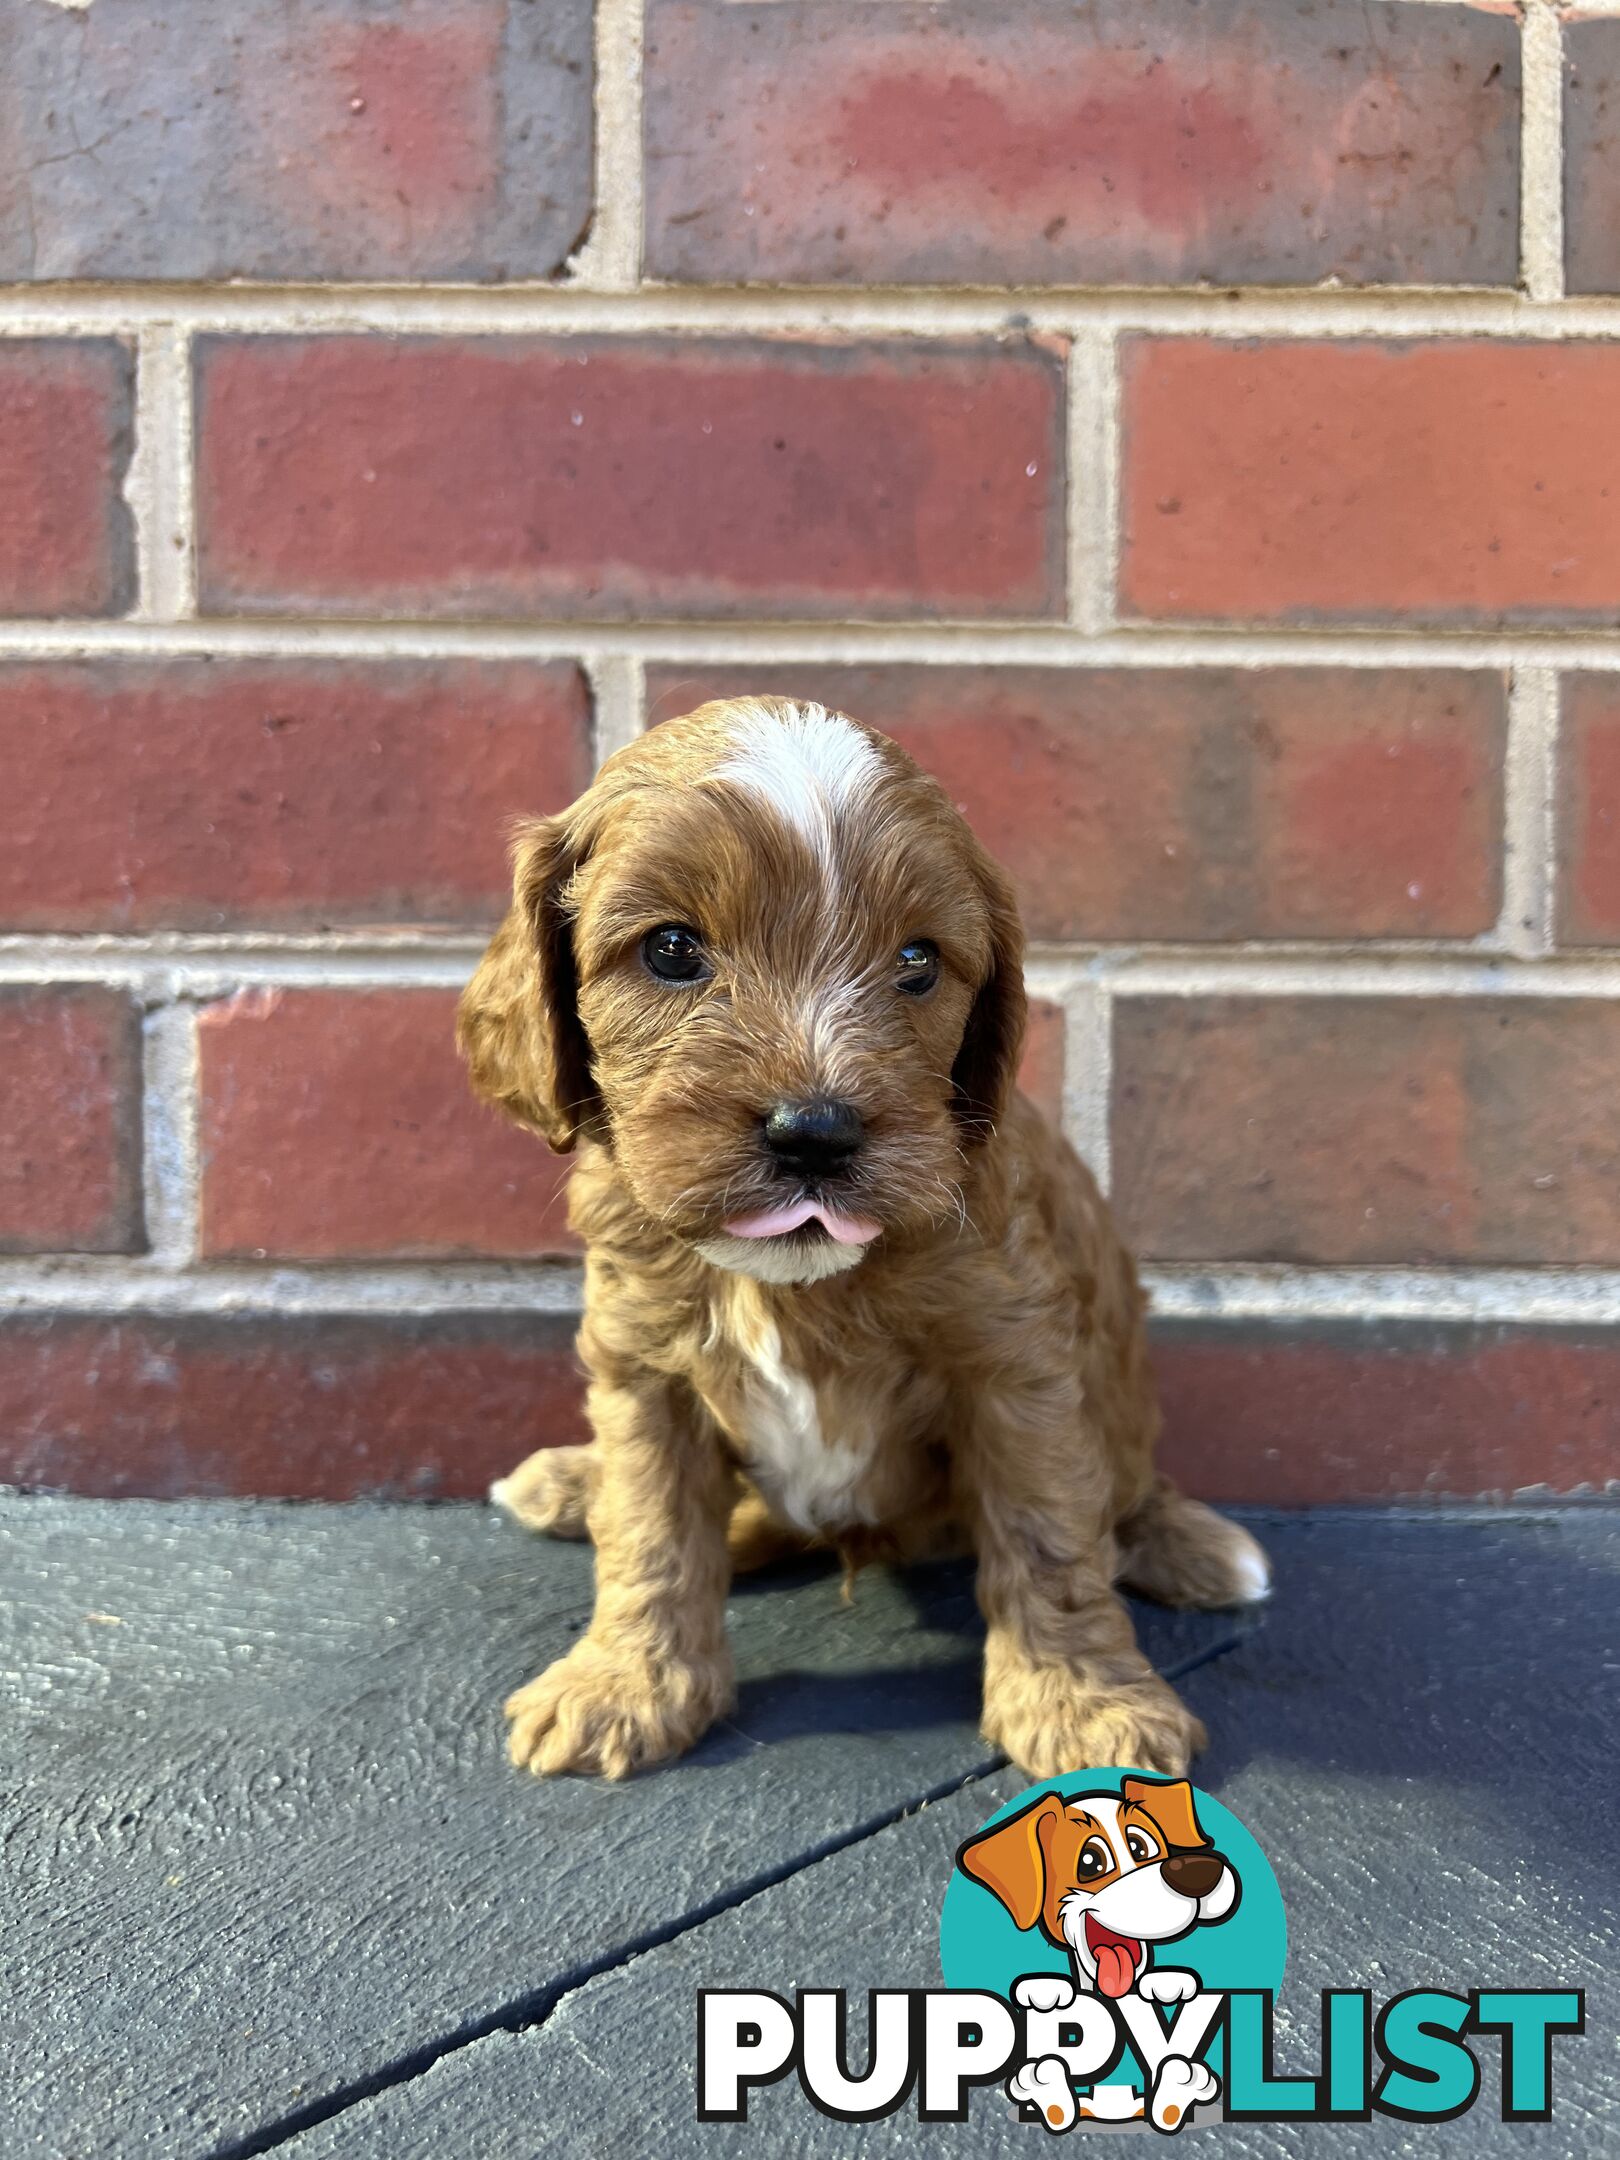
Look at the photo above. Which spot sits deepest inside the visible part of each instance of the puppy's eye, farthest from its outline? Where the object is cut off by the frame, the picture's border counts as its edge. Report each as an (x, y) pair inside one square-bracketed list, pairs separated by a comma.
[(1095, 1859), (1140, 1846), (917, 967), (673, 953)]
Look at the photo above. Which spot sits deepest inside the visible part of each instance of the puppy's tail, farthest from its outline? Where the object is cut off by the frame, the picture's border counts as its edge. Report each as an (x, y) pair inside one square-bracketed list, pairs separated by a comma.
[(1182, 1553)]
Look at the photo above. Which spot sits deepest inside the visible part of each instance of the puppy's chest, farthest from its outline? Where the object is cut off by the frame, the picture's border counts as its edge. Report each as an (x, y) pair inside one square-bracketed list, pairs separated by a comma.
[(824, 1443)]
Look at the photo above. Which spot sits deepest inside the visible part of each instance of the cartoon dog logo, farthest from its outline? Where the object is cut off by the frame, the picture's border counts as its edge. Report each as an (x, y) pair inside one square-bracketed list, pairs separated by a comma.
[(1109, 1877)]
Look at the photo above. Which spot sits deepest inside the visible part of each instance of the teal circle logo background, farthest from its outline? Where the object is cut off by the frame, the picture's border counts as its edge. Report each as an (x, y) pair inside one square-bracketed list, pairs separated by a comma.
[(979, 1947)]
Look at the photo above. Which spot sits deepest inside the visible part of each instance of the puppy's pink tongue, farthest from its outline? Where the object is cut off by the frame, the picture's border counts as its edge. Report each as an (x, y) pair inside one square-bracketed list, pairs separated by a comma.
[(1116, 1968), (776, 1222)]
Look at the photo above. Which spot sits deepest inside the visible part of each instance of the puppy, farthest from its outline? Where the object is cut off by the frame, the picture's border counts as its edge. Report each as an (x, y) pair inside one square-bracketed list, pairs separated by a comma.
[(843, 1286)]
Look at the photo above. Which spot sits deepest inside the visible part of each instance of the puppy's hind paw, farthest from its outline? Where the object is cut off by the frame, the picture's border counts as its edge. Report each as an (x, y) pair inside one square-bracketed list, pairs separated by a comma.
[(550, 1491), (1183, 1553), (1180, 2087), (1045, 2086)]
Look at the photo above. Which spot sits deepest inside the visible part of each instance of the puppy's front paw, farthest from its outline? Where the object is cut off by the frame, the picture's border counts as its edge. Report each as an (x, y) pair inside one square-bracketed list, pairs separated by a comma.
[(600, 1711), (1168, 1985), (1050, 1721), (1043, 1991)]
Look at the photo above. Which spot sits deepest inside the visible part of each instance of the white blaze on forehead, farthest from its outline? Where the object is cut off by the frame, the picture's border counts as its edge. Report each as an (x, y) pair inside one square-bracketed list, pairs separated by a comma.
[(810, 765)]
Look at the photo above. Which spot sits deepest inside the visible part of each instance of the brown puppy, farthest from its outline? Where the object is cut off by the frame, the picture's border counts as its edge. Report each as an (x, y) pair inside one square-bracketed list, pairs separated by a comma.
[(843, 1285)]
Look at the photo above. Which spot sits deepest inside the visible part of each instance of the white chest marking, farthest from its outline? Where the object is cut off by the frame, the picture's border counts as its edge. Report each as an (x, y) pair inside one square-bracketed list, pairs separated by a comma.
[(809, 1478)]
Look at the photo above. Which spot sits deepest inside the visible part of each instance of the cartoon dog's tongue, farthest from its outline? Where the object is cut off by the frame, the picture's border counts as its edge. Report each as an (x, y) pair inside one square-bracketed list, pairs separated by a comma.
[(776, 1222), (1116, 1955)]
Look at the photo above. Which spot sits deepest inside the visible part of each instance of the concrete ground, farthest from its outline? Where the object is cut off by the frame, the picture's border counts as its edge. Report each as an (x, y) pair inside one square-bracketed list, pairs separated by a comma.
[(269, 1884)]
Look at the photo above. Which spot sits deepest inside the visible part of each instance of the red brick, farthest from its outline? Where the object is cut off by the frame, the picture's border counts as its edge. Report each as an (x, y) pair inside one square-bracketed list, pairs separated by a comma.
[(1589, 812), (70, 1120), (204, 794), (1292, 1415), (65, 438), (424, 138), (1041, 1074), (297, 1408), (1364, 1130), (338, 1408), (601, 478), (1199, 804), (1592, 156), (1449, 481), (339, 1124), (1144, 142)]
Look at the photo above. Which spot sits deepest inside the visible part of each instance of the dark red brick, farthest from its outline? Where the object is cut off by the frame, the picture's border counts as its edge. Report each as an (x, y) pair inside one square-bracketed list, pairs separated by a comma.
[(588, 477), (1589, 812), (1199, 804), (1365, 1130), (1273, 1414), (65, 438), (1592, 156), (1041, 1074), (1132, 142), (1307, 480), (339, 1124), (204, 794), (341, 139), (1303, 1415), (284, 1407), (70, 1120)]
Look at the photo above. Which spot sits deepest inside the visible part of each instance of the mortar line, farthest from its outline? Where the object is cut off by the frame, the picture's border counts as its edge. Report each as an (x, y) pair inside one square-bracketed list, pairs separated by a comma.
[(1541, 158), (618, 699), (920, 643), (609, 258), (171, 1284), (1213, 1290), (1333, 975), (902, 313), (171, 1174), (1088, 1061), (1230, 1291), (1093, 483), (207, 969), (158, 486), (1529, 796)]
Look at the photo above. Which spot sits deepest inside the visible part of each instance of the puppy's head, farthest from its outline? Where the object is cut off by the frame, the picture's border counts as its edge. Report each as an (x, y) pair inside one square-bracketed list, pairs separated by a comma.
[(766, 963), (1106, 1874)]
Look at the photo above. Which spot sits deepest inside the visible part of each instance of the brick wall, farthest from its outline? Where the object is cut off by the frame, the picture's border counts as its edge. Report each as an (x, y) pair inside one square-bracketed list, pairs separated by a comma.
[(1194, 430)]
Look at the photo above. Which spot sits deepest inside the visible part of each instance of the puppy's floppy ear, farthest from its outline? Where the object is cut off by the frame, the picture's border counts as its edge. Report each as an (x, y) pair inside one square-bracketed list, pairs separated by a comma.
[(518, 1021), (1171, 1806), (986, 1067), (1010, 1859)]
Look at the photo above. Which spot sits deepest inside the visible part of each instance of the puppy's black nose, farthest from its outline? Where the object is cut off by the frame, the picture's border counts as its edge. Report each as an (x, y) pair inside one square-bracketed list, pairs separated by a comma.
[(814, 1137), (1194, 1874)]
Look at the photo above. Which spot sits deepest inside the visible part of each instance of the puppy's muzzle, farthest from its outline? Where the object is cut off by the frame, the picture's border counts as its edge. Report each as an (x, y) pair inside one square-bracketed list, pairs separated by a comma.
[(814, 1139), (1194, 1874)]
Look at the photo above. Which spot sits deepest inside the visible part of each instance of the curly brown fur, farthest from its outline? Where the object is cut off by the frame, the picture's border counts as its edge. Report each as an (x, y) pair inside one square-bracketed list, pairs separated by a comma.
[(975, 1371)]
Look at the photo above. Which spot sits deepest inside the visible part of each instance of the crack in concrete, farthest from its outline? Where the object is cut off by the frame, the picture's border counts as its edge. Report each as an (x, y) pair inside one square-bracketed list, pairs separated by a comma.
[(527, 2013)]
